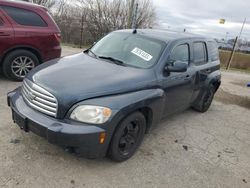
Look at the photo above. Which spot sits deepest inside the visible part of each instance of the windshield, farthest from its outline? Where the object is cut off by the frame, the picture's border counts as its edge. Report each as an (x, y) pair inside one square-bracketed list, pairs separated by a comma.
[(130, 49)]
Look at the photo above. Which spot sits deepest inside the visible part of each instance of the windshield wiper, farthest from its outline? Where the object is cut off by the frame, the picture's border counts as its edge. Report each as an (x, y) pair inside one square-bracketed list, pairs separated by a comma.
[(116, 61), (89, 50)]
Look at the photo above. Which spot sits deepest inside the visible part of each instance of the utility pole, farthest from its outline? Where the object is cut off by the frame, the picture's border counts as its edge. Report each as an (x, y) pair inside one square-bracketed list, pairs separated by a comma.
[(232, 54), (130, 14), (235, 45)]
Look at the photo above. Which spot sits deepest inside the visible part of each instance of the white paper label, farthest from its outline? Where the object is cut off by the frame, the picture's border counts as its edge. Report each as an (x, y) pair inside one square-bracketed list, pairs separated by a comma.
[(142, 54)]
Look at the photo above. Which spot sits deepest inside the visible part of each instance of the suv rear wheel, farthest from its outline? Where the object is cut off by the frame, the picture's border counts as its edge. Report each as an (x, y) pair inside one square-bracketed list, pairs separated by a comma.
[(128, 137), (206, 100), (18, 63)]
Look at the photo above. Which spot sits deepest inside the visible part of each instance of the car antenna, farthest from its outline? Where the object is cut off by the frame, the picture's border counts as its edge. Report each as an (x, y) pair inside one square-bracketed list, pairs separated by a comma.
[(134, 26)]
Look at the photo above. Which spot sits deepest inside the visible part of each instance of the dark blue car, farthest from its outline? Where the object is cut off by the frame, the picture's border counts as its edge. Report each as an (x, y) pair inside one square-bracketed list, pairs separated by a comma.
[(102, 101)]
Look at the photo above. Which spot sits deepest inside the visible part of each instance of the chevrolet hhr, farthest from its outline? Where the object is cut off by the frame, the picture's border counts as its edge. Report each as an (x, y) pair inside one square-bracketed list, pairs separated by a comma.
[(102, 102)]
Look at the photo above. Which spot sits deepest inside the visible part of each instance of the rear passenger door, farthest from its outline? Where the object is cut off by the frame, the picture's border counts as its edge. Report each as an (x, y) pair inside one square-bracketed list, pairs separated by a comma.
[(29, 27), (6, 33), (201, 65)]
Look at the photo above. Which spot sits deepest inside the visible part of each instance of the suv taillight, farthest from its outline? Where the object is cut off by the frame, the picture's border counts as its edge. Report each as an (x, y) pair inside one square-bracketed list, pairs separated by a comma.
[(58, 37)]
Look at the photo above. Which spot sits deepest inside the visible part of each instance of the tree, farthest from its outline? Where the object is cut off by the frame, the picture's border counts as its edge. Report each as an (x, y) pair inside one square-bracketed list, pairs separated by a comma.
[(108, 15), (46, 3), (93, 19)]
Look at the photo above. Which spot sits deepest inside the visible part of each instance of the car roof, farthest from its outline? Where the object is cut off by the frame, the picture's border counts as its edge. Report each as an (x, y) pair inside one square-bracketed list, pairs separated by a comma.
[(165, 35), (21, 4)]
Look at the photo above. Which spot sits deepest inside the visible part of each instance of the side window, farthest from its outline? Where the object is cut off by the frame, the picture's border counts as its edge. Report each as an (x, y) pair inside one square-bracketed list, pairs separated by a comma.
[(212, 48), (180, 53), (1, 20), (200, 53), (24, 17)]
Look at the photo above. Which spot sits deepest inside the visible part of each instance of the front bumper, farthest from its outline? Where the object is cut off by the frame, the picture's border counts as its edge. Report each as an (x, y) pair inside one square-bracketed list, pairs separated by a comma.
[(84, 139)]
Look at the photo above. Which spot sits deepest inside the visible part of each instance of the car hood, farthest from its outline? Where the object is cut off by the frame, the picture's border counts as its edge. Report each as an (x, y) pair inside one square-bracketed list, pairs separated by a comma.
[(79, 77)]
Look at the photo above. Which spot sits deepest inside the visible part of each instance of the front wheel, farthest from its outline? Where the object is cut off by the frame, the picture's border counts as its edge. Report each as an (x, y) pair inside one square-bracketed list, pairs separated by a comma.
[(127, 137)]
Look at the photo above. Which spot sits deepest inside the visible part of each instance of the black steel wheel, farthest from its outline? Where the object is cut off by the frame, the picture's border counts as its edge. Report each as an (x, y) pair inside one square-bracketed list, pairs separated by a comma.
[(206, 100), (128, 137)]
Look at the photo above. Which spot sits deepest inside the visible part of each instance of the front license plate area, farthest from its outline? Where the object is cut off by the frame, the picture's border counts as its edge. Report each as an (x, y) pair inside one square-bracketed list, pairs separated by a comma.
[(20, 121)]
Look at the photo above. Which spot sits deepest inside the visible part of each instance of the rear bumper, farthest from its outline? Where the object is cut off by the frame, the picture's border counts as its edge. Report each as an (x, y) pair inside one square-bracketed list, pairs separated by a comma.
[(83, 138), (53, 53)]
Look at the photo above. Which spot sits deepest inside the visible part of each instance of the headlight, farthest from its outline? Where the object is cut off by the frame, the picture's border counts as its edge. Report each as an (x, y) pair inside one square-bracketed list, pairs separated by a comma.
[(91, 114)]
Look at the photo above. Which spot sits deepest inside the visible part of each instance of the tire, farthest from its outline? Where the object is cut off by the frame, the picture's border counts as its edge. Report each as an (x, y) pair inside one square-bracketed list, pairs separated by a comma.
[(206, 100), (18, 63), (127, 137)]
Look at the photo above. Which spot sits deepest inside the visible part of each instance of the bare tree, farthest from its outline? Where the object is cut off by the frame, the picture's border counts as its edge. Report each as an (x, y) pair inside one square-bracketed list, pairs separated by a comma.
[(107, 15), (46, 3), (91, 19)]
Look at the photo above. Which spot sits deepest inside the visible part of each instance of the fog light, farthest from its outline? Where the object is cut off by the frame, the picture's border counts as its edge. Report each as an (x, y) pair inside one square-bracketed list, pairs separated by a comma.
[(102, 138)]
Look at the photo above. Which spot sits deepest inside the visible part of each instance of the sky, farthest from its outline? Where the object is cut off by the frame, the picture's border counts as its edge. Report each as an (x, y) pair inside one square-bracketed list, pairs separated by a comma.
[(202, 16)]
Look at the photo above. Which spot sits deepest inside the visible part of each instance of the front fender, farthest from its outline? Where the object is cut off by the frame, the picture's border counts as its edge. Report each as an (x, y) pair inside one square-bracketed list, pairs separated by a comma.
[(126, 103)]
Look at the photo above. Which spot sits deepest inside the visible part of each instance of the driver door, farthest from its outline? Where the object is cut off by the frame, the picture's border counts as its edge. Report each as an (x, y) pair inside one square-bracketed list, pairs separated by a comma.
[(178, 86)]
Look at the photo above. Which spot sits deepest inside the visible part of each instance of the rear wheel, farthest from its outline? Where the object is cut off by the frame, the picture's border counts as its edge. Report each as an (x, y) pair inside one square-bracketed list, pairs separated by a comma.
[(206, 100), (128, 137), (18, 63)]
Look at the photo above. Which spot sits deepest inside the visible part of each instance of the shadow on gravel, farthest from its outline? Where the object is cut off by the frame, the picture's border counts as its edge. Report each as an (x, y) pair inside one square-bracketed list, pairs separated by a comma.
[(229, 98)]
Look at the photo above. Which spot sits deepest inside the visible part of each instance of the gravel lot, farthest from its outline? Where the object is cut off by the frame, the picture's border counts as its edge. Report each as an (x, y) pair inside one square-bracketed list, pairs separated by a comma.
[(187, 150)]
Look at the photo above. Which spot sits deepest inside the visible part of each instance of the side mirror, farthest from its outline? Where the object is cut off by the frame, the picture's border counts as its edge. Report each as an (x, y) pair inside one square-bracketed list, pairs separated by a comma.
[(178, 66)]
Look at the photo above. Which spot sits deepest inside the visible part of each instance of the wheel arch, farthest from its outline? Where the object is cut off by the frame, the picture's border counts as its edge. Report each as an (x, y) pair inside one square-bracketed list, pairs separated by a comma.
[(28, 48), (148, 114), (146, 111)]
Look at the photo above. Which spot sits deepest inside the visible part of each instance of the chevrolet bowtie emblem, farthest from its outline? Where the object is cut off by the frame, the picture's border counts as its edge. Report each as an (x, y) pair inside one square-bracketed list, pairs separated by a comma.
[(31, 96)]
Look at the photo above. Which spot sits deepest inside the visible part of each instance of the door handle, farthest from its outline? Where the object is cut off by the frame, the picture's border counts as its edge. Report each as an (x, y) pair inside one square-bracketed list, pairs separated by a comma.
[(187, 77)]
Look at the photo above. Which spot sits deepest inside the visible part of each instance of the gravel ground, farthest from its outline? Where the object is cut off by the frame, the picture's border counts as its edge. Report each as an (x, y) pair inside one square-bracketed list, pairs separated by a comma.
[(187, 150)]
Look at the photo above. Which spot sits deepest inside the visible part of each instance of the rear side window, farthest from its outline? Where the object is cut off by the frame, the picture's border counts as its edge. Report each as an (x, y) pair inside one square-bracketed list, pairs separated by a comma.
[(180, 53), (24, 17), (200, 53), (212, 49), (1, 20)]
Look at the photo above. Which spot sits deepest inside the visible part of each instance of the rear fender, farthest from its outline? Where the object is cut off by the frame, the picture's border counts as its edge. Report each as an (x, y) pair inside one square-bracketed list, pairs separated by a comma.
[(213, 78)]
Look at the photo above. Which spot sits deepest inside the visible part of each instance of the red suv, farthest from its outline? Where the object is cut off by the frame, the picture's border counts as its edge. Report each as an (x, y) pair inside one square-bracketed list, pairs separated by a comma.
[(28, 36)]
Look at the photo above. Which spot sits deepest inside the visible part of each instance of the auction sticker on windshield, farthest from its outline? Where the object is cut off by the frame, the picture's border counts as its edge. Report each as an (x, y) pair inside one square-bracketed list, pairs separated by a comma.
[(142, 54)]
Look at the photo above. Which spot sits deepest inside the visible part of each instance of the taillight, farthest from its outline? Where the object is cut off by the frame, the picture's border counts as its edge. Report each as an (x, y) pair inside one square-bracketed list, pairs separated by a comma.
[(58, 37)]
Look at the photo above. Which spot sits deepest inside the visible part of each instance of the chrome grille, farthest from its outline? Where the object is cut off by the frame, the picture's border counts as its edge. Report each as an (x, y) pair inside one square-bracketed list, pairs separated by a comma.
[(38, 98)]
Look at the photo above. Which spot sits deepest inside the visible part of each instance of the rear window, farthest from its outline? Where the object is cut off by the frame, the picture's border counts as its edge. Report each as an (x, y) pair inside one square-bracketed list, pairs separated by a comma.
[(24, 17), (200, 53), (212, 48)]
